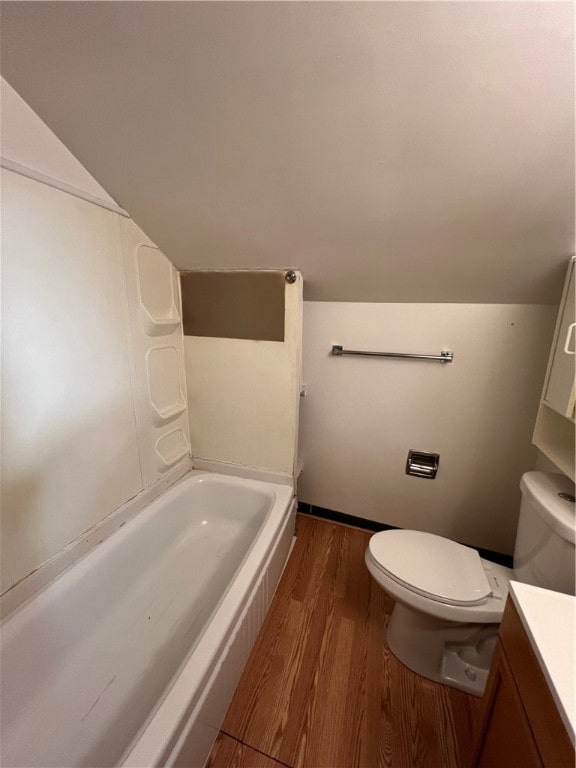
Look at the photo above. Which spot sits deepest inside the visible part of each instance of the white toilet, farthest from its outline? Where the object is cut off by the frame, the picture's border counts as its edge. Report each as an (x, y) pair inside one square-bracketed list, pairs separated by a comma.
[(449, 601)]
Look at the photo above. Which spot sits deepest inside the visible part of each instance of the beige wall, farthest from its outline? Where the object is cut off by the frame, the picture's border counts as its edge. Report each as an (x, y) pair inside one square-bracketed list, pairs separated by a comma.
[(362, 415), (243, 395)]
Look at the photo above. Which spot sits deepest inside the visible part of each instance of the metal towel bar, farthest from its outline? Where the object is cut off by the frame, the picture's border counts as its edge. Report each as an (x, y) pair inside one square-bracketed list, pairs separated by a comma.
[(443, 357)]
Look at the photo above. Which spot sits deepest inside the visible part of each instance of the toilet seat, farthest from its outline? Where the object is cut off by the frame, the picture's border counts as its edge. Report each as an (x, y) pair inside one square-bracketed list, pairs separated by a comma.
[(431, 566)]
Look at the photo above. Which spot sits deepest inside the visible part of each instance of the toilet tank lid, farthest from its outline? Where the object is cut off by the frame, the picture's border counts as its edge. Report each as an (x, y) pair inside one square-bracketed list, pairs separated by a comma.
[(430, 564), (541, 489)]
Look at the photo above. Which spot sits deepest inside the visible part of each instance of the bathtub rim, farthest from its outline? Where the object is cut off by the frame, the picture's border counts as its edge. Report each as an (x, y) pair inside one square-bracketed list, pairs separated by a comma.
[(160, 733)]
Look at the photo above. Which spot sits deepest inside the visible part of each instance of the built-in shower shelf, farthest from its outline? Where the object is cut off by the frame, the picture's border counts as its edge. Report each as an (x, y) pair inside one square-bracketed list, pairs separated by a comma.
[(173, 459), (158, 292), (171, 448), (167, 398), (163, 327), (166, 415)]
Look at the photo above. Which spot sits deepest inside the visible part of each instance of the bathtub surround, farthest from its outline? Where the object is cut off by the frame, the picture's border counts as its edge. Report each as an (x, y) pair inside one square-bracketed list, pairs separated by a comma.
[(244, 396), (159, 384), (80, 436), (69, 446), (78, 433), (360, 416)]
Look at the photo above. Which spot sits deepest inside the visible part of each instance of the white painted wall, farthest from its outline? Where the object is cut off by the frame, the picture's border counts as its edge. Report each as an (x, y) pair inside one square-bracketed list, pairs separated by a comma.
[(243, 395), (362, 415), (27, 141)]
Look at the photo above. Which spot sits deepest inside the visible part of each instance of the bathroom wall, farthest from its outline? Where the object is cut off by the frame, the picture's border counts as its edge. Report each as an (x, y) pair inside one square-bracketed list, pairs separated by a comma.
[(243, 395), (360, 416), (75, 403)]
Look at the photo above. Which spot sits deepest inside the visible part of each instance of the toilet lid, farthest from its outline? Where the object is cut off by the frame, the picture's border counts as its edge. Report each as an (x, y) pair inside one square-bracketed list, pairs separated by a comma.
[(431, 565)]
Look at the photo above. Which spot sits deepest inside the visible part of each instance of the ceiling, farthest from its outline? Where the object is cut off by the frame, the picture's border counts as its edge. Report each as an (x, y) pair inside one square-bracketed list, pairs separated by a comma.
[(391, 151)]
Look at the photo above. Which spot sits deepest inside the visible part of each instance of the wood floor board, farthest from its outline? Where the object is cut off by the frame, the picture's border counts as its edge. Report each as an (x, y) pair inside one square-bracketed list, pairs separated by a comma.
[(322, 690), (377, 726), (467, 717), (274, 690), (314, 637), (230, 753)]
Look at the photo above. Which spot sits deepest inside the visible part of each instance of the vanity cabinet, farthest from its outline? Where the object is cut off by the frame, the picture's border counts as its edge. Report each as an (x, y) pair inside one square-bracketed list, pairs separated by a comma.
[(554, 430), (521, 726)]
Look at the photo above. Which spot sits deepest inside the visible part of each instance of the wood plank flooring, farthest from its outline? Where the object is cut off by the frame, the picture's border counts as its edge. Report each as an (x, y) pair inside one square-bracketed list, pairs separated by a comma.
[(233, 754), (322, 690)]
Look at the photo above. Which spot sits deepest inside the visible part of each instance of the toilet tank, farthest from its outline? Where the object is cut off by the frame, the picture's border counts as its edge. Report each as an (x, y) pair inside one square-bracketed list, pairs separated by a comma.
[(544, 551)]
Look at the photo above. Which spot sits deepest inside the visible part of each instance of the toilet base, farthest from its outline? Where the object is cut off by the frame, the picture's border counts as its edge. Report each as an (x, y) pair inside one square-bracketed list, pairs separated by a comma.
[(454, 654)]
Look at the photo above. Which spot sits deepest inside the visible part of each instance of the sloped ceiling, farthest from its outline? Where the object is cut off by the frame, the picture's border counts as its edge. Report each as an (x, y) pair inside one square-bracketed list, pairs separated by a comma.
[(391, 151)]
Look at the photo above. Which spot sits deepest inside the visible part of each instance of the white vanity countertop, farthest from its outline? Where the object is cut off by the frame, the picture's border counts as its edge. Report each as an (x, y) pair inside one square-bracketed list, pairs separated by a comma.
[(550, 622)]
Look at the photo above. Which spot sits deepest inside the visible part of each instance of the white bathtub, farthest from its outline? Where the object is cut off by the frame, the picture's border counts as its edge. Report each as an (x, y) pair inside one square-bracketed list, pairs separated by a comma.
[(131, 656)]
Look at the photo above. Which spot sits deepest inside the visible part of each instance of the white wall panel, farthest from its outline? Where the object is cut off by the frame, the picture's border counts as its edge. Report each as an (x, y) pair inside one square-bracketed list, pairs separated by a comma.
[(86, 402), (361, 415), (243, 395), (164, 369), (158, 353), (69, 443)]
